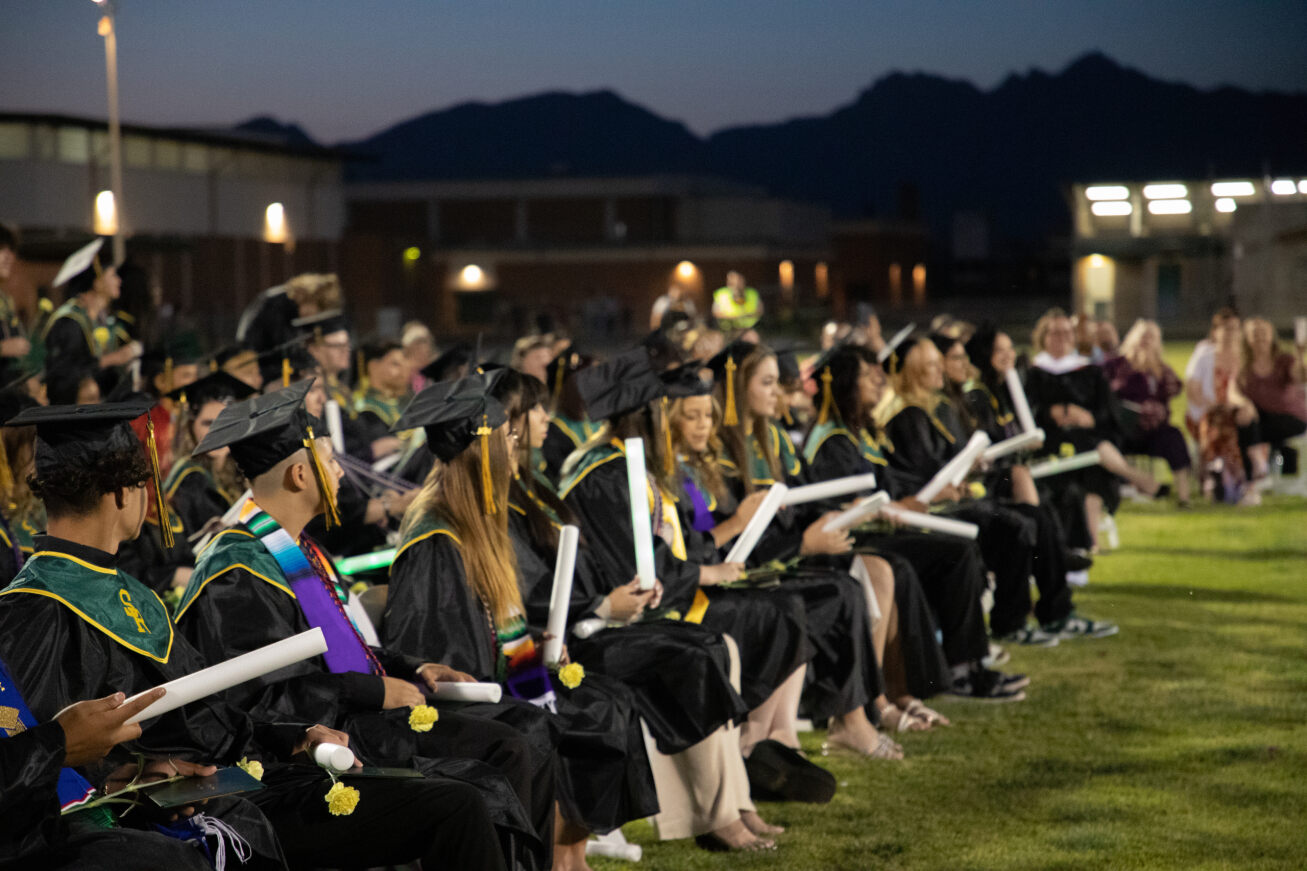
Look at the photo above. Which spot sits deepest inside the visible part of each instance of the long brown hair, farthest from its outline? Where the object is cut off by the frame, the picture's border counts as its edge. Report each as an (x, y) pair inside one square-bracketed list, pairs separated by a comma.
[(453, 494), (735, 438), (643, 423), (20, 448), (702, 463), (226, 474)]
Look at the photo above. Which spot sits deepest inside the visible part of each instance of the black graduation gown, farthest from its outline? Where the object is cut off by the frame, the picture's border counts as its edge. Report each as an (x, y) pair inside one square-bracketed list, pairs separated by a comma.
[(238, 612), (33, 835), (768, 629), (1089, 389), (604, 777), (948, 570), (678, 673), (194, 497)]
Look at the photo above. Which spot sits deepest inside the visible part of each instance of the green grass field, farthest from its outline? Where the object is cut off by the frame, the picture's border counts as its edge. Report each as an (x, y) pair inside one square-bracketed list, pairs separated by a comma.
[(1178, 744)]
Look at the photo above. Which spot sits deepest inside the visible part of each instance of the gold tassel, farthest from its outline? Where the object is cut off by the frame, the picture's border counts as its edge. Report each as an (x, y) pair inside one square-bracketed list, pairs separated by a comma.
[(324, 486), (558, 381), (826, 398), (213, 365), (285, 372), (729, 417), (165, 524), (669, 461), (487, 481)]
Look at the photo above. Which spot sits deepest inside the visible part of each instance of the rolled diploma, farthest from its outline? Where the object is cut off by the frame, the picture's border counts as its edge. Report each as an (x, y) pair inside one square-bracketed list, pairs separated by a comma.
[(334, 426), (1019, 404), (934, 523), (855, 514), (1032, 439), (637, 482), (334, 757), (894, 342), (757, 525), (453, 691), (1058, 466), (562, 594), (955, 469), (830, 489), (238, 670)]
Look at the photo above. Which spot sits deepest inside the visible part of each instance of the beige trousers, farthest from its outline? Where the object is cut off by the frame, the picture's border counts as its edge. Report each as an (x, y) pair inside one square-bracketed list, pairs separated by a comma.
[(705, 787)]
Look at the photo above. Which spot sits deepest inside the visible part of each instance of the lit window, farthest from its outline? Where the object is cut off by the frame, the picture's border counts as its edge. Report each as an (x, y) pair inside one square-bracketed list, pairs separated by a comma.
[(1111, 208), (1283, 187), (1233, 189), (822, 280), (1107, 192), (1170, 207), (1165, 191), (1225, 204), (787, 274)]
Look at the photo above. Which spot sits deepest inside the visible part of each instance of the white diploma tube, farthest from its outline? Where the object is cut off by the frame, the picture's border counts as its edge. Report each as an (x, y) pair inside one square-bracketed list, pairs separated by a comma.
[(894, 342), (334, 757), (455, 691), (1019, 404), (562, 594), (864, 509), (1300, 331), (637, 482), (757, 525), (934, 523), (334, 426), (955, 469), (830, 489), (225, 675), (1059, 465), (1027, 440)]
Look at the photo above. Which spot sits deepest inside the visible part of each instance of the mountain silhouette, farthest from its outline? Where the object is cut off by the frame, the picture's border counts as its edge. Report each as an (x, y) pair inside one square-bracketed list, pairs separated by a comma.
[(1009, 152)]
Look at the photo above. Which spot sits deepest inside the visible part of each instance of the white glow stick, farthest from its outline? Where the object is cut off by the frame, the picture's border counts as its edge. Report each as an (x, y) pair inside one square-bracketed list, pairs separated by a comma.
[(757, 525), (934, 522), (637, 482), (1059, 465), (855, 514), (454, 691), (1032, 439), (562, 594), (334, 757), (334, 426), (955, 469), (1019, 404), (830, 489), (883, 354), (237, 670)]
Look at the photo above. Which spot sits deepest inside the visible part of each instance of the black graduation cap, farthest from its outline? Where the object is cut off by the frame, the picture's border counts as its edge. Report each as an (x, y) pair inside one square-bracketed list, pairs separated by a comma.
[(286, 360), (79, 436), (685, 381), (319, 325), (264, 430), (13, 401), (214, 386), (442, 368), (227, 353), (455, 414), (81, 268), (980, 347), (620, 385), (724, 365)]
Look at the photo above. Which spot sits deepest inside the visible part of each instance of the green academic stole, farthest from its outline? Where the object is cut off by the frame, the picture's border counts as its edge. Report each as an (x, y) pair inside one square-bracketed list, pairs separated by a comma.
[(782, 449), (374, 401), (115, 603), (871, 450)]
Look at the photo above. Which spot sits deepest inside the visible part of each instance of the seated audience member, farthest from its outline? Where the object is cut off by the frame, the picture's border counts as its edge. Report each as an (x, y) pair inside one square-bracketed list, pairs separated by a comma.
[(65, 634), (1145, 386), (18, 508), (1220, 417), (532, 355), (14, 344), (1272, 380), (419, 350), (1107, 342)]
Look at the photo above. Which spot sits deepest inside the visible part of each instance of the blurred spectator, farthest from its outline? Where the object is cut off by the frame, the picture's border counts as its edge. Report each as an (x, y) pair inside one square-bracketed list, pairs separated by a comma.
[(1107, 344), (1272, 380), (1219, 415), (13, 338), (419, 350), (736, 307), (268, 321), (675, 300), (532, 355)]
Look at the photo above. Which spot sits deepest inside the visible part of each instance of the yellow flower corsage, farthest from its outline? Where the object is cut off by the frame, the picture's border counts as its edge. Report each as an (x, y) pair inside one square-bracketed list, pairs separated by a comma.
[(421, 718), (252, 767), (571, 675), (341, 799), (1067, 449)]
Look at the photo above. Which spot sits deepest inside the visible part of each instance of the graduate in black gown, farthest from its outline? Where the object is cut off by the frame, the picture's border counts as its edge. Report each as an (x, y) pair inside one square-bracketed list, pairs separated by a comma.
[(18, 508), (245, 594), (569, 425), (201, 488), (72, 626), (454, 597)]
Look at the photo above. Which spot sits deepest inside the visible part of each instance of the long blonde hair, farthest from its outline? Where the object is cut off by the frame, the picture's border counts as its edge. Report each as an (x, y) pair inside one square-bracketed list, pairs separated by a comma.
[(908, 383), (453, 495), (1132, 348), (735, 438), (704, 464)]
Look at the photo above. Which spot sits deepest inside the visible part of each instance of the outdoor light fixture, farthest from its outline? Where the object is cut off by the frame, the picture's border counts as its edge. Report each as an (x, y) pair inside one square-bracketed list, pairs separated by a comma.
[(1225, 204), (106, 214), (1165, 191), (1096, 261), (1233, 189), (1283, 187), (1170, 207), (787, 274), (1107, 192), (685, 270), (472, 277), (1111, 208), (274, 224)]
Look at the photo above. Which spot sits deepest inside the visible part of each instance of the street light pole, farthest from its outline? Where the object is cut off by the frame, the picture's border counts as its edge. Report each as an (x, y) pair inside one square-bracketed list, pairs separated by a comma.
[(108, 30)]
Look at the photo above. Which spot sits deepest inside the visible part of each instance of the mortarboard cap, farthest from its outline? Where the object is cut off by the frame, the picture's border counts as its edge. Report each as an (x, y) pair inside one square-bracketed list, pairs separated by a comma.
[(455, 414), (319, 325), (442, 368), (212, 387), (620, 385), (79, 261), (685, 381), (264, 430)]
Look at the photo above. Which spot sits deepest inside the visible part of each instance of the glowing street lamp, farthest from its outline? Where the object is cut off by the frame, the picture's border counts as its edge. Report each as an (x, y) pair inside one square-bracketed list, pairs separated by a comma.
[(108, 30), (274, 224), (106, 214)]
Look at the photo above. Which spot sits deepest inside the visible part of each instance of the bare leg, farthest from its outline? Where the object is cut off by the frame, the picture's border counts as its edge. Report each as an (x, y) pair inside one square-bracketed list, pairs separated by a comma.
[(1093, 514), (1110, 458), (853, 731), (1181, 485), (569, 844), (776, 717), (1023, 486)]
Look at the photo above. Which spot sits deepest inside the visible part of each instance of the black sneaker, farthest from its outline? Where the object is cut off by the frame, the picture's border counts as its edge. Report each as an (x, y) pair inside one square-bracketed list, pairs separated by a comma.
[(983, 684), (1078, 560)]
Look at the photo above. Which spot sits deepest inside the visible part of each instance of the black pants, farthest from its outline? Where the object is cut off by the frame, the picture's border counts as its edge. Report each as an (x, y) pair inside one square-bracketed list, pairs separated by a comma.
[(952, 578), (1048, 563), (442, 823), (1007, 542), (843, 675), (925, 670), (1272, 429)]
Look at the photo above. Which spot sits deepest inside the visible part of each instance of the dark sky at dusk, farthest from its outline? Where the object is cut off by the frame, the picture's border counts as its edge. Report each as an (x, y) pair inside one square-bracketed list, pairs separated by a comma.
[(344, 70)]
